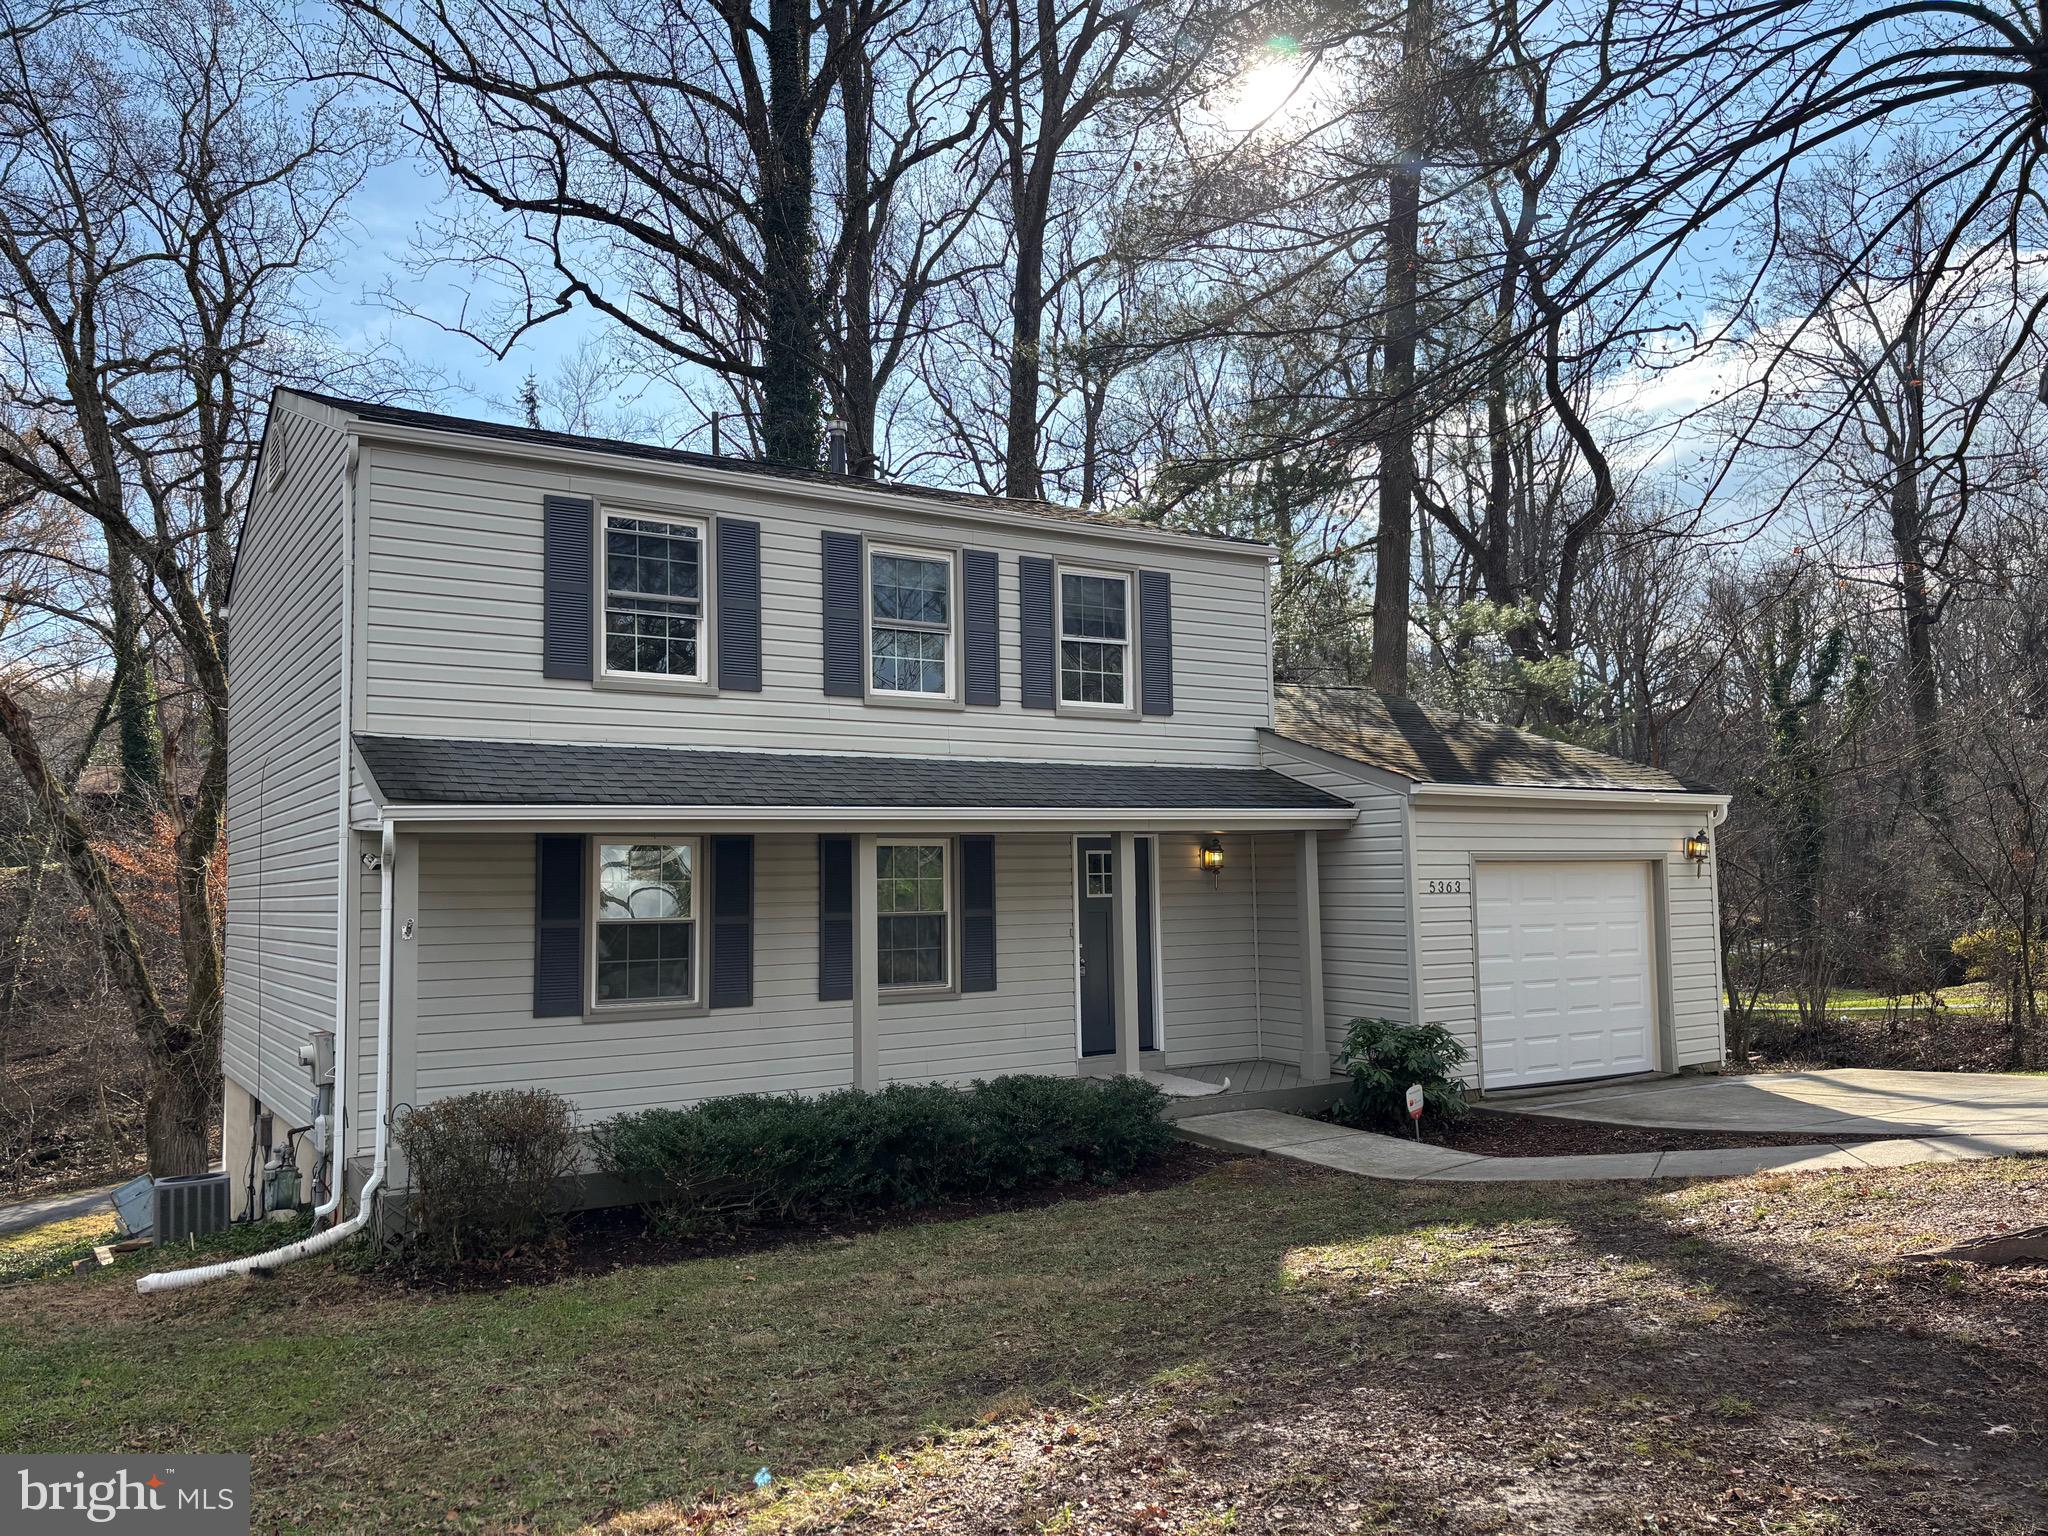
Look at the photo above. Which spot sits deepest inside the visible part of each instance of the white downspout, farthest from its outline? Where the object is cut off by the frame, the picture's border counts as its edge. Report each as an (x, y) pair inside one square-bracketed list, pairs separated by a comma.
[(341, 1232), (344, 851)]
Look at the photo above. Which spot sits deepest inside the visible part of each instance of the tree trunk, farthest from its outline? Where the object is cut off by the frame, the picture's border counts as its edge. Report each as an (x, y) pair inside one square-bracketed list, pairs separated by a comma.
[(1021, 477), (1909, 537), (1394, 543), (790, 398), (142, 762), (857, 340)]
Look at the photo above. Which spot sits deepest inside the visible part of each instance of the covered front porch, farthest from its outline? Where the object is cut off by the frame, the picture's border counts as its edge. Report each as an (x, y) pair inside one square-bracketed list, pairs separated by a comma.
[(930, 927)]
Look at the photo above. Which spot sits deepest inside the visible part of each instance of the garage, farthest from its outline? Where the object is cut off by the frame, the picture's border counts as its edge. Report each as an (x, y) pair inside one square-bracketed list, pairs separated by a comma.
[(1553, 907), (1566, 990)]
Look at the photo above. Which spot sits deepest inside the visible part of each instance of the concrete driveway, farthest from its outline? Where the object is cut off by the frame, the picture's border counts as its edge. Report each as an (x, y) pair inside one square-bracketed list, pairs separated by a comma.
[(1851, 1102)]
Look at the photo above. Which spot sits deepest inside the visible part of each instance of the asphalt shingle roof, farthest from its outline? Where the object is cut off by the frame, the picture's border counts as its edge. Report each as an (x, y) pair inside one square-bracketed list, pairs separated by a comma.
[(467, 426), (412, 770), (1433, 746)]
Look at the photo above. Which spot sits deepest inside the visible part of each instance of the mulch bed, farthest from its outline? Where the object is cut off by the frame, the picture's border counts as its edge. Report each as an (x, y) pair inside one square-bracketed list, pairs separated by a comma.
[(1495, 1133)]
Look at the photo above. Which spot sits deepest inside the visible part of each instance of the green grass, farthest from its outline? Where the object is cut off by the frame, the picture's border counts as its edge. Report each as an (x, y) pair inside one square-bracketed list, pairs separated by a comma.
[(1968, 997), (370, 1407), (53, 1245)]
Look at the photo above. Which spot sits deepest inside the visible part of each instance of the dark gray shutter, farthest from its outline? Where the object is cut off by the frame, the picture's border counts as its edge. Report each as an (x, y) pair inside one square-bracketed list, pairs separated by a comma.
[(1155, 642), (568, 588), (843, 670), (835, 919), (732, 922), (977, 914), (738, 597), (984, 642), (1034, 606), (557, 926), (1148, 1035)]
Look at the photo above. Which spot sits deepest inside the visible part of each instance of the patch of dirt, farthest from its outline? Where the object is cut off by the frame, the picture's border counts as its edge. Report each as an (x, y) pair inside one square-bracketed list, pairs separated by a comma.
[(1906, 1040)]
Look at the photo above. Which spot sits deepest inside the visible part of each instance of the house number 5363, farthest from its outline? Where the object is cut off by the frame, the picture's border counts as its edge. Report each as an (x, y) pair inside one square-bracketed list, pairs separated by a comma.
[(1446, 887)]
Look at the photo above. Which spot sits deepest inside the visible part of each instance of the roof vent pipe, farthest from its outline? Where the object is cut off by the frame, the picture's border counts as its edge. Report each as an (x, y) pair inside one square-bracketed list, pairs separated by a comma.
[(835, 445)]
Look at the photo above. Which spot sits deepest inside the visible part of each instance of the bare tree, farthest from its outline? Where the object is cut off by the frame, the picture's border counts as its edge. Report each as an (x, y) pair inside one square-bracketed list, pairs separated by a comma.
[(161, 189)]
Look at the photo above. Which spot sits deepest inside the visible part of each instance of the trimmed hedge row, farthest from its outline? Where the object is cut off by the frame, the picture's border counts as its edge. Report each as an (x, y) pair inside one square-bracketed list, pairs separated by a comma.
[(774, 1158)]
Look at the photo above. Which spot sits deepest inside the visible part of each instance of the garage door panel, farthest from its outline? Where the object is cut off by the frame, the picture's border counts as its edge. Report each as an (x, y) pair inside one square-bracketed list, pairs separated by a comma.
[(1564, 971)]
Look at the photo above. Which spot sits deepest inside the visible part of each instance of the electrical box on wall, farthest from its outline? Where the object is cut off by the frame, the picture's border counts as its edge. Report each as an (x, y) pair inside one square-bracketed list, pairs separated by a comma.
[(317, 1056)]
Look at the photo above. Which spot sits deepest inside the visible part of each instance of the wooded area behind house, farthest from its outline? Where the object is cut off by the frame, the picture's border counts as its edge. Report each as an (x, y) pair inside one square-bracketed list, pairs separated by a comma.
[(1667, 380)]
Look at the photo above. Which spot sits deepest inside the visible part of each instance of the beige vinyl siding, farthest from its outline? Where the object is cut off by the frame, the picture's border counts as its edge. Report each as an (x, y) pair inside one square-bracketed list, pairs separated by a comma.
[(1449, 841), (474, 1012), (1220, 941), (1366, 971), (362, 1045), (284, 740), (454, 627)]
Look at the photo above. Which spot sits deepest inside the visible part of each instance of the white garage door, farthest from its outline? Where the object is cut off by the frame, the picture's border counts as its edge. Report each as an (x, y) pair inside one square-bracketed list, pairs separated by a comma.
[(1564, 972)]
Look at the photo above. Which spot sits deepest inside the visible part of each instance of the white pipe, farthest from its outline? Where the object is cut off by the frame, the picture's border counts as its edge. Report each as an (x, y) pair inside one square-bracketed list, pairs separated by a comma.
[(345, 837), (319, 1242)]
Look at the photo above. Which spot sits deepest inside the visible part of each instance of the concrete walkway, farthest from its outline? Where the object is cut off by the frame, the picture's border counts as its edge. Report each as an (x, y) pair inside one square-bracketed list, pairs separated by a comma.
[(1848, 1102), (1389, 1157), (36, 1213)]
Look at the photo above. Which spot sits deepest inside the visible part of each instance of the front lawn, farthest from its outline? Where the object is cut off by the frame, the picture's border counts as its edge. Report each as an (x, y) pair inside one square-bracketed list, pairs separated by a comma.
[(1262, 1347)]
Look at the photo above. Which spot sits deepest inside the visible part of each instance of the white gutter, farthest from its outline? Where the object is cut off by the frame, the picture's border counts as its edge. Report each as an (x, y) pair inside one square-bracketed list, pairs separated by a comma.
[(341, 1232), (1611, 799), (870, 818), (344, 838)]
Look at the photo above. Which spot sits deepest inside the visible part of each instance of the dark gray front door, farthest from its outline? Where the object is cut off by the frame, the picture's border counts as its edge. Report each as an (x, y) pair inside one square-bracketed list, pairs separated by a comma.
[(1096, 876)]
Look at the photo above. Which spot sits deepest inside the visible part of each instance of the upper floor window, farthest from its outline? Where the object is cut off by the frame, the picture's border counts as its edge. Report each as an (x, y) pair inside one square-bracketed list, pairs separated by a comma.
[(1095, 639), (646, 923), (910, 623), (913, 933), (653, 595)]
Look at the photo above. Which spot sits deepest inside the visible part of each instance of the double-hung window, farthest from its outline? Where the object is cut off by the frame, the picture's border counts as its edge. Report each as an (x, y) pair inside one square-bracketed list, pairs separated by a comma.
[(910, 623), (645, 937), (653, 596), (1095, 639), (913, 926)]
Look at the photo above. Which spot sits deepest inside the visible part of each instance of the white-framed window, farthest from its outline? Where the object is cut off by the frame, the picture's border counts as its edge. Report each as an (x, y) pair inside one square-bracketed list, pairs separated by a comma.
[(1099, 880), (1095, 639), (644, 924), (653, 596), (910, 622), (913, 915)]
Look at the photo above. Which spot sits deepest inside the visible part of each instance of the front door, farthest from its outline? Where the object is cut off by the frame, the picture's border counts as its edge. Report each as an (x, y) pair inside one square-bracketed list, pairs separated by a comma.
[(1096, 876)]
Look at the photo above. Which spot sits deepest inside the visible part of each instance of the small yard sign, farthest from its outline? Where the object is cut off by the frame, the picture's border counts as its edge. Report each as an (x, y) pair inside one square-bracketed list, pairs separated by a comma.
[(1415, 1109)]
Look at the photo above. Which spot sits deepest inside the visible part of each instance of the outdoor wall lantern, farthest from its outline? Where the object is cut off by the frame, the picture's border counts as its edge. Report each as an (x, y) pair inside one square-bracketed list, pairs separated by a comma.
[(1212, 858), (1697, 848)]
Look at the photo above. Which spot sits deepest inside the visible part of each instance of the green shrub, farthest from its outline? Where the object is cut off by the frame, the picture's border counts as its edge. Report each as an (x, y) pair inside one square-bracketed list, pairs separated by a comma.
[(1384, 1059), (771, 1159), (487, 1172)]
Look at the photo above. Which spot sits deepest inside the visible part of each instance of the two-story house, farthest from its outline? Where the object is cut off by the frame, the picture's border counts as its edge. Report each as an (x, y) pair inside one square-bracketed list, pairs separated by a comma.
[(647, 777)]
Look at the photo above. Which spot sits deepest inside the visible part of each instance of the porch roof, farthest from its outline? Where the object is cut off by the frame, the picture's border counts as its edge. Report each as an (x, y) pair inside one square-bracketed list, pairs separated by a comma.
[(426, 779)]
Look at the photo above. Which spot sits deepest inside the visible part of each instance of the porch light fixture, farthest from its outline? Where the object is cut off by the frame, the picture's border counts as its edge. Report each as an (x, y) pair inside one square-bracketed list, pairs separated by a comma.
[(1696, 847), (1212, 859)]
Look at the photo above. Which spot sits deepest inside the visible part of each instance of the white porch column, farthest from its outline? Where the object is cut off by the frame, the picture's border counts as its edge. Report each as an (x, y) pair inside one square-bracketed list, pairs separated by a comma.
[(867, 1055), (1308, 910), (1124, 892)]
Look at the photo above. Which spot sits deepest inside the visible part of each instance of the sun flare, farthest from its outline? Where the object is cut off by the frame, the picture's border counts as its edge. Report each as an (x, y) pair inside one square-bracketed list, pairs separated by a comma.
[(1274, 92)]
